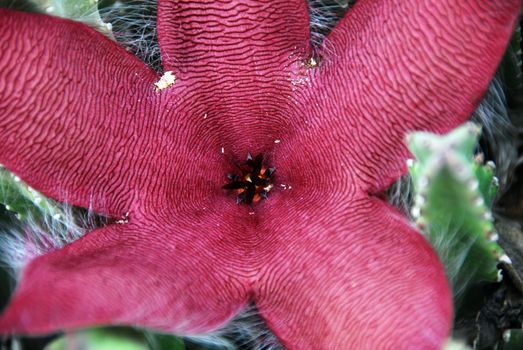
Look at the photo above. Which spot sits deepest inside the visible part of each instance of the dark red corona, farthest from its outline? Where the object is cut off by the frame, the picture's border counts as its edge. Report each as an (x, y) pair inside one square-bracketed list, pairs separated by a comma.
[(254, 181)]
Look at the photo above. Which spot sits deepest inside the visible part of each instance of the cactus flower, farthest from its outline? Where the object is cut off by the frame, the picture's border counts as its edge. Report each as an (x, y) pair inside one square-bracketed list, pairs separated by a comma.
[(301, 228)]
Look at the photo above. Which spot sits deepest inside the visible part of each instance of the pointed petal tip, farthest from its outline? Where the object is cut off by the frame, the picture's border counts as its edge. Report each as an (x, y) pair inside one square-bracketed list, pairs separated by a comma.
[(60, 63), (103, 278), (376, 284)]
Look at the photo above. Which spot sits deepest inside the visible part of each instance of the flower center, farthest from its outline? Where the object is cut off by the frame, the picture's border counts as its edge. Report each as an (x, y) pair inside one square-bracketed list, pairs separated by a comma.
[(253, 181)]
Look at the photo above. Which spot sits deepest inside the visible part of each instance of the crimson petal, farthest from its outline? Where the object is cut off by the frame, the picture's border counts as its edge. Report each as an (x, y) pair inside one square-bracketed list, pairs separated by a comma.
[(238, 61), (70, 99), (149, 275), (351, 275), (393, 66), (299, 252)]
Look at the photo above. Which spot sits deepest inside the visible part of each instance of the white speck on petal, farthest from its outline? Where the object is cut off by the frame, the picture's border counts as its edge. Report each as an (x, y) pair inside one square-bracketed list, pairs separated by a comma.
[(277, 141), (167, 79), (311, 63), (223, 150), (123, 220)]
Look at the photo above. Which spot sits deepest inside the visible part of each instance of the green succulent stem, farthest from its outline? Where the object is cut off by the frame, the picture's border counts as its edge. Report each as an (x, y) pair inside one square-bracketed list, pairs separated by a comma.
[(454, 192), (85, 11)]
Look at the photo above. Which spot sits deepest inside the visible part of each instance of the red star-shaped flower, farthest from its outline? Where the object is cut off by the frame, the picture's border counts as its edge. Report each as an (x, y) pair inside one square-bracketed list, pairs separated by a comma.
[(327, 262)]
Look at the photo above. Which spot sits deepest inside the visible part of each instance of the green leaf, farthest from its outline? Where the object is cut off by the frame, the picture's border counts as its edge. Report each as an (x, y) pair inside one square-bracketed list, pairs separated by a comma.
[(159, 341), (453, 344), (117, 338), (85, 11), (513, 339), (23, 200), (453, 195), (98, 339)]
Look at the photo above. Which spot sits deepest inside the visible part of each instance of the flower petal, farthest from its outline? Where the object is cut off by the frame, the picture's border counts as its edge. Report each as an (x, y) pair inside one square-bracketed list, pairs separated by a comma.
[(243, 37), (73, 106), (150, 275), (239, 62), (351, 276), (393, 66)]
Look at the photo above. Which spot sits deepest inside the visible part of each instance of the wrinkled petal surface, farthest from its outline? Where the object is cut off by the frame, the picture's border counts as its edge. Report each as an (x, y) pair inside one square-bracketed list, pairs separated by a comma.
[(68, 125), (328, 265), (238, 62), (160, 276), (394, 66), (355, 277)]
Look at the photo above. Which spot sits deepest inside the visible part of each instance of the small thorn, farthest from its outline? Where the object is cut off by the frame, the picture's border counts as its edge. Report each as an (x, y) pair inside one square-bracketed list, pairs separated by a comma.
[(420, 200), (506, 336), (479, 201), (487, 216), (415, 212), (493, 237), (473, 129), (473, 184), (423, 182), (504, 258)]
